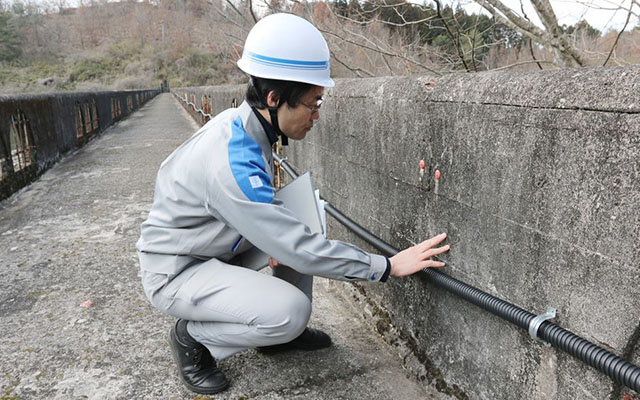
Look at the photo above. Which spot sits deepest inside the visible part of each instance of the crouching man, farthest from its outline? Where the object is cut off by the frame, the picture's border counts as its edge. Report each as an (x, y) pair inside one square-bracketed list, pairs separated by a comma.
[(214, 200)]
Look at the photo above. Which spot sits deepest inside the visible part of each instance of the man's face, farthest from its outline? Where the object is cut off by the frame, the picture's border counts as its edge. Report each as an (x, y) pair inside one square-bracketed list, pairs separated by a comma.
[(296, 121)]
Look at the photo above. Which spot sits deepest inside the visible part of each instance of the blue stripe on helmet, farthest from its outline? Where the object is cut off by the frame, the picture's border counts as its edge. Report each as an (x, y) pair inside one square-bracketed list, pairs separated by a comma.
[(283, 63), (290, 66)]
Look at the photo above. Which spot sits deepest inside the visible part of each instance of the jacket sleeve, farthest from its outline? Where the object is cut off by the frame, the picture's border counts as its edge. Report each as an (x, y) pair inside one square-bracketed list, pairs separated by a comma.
[(245, 201)]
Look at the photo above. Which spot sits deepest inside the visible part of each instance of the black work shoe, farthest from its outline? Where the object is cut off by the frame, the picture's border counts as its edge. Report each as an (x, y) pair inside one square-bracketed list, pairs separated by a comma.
[(197, 367), (310, 339)]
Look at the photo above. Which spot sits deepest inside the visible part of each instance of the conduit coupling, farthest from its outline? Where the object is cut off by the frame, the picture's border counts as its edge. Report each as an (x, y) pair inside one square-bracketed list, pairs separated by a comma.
[(540, 327)]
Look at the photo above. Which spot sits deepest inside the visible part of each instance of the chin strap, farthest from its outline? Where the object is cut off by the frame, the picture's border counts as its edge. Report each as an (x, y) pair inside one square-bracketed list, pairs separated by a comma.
[(273, 112)]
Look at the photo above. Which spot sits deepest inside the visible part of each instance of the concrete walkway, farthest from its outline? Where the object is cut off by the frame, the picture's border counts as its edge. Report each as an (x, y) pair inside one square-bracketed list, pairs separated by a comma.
[(69, 238)]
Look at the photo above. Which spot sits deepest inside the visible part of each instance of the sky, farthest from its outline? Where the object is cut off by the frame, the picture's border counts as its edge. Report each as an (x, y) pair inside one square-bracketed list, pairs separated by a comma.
[(601, 14)]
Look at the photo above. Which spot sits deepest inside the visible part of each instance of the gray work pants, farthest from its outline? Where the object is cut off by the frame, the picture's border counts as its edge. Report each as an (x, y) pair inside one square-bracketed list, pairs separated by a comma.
[(232, 308)]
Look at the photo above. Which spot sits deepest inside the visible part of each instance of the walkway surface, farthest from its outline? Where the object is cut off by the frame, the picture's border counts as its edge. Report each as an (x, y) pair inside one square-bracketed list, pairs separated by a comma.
[(69, 238)]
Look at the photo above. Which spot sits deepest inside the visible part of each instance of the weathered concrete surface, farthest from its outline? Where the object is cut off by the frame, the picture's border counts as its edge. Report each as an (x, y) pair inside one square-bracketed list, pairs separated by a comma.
[(539, 194), (69, 238)]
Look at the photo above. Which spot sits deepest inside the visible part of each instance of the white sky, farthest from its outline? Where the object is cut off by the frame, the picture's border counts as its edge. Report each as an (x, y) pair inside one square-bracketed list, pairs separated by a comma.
[(601, 14)]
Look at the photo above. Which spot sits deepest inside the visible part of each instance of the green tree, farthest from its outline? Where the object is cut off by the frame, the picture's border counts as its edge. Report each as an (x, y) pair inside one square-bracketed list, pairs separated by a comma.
[(9, 39), (582, 26), (463, 38)]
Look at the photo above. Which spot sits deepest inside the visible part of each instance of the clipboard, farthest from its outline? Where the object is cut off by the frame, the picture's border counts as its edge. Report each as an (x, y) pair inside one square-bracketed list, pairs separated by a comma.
[(299, 197)]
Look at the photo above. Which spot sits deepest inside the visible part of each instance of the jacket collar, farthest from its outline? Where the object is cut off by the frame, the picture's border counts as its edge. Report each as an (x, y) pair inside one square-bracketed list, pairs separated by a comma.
[(255, 129), (268, 129)]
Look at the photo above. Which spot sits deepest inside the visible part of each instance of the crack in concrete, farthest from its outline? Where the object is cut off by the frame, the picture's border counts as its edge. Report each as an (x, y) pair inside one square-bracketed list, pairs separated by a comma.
[(529, 228), (590, 109)]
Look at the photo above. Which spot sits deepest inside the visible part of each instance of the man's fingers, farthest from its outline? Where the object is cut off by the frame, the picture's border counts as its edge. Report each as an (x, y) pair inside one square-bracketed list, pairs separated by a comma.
[(434, 241), (431, 264), (436, 251), (273, 263), (418, 257)]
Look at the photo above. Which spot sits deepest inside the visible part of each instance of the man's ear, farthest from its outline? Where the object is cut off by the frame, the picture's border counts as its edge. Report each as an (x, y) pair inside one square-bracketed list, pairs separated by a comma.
[(272, 99)]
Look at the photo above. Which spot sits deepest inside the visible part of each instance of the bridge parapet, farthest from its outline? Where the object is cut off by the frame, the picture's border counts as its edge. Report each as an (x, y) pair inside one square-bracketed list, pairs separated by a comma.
[(535, 178), (35, 130), (204, 102)]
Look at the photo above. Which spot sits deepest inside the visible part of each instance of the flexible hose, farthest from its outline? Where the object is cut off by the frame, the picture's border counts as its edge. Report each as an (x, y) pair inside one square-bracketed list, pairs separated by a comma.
[(604, 361)]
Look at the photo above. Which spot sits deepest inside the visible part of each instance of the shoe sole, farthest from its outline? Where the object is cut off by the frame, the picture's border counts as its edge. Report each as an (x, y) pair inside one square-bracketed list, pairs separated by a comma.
[(176, 357)]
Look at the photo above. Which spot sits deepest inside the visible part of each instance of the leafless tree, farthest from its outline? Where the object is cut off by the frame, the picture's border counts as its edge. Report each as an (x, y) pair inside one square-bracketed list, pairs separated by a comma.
[(385, 37), (552, 36)]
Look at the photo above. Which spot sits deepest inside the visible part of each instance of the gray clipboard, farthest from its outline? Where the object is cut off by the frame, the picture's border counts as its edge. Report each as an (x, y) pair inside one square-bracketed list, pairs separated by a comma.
[(298, 196)]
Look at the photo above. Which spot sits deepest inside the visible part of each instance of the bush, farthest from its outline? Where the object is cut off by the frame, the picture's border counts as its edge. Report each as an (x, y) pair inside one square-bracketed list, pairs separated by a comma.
[(8, 75), (125, 50), (134, 82), (138, 68), (90, 69), (89, 87), (9, 38), (197, 68)]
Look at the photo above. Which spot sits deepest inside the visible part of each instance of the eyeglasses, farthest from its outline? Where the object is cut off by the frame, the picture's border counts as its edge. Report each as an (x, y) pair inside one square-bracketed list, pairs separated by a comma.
[(314, 108)]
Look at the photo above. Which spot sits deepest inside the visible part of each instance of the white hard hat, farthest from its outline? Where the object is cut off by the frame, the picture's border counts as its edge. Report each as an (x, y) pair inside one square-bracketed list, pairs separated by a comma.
[(287, 47)]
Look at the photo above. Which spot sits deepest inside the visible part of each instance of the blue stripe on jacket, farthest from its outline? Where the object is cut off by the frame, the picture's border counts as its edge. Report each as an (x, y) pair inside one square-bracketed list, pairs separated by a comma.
[(247, 165)]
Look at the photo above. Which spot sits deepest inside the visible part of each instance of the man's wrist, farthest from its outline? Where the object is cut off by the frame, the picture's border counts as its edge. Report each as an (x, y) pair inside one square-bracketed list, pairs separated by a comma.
[(387, 271)]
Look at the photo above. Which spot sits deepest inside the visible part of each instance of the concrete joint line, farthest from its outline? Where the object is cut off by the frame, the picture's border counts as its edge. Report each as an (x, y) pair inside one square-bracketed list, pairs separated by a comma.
[(590, 109)]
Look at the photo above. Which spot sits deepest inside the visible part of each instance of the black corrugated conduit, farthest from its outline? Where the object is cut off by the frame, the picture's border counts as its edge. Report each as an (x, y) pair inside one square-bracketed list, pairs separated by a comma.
[(604, 361)]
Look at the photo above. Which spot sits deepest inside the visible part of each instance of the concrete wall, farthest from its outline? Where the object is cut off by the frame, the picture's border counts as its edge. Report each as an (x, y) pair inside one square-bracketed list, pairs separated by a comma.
[(43, 127), (539, 193)]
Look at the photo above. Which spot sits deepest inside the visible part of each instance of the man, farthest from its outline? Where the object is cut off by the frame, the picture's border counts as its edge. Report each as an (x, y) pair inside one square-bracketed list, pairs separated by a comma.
[(214, 200)]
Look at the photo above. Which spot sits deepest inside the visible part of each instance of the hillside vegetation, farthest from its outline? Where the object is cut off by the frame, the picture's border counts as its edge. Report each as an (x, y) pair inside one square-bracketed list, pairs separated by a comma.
[(115, 46), (128, 45)]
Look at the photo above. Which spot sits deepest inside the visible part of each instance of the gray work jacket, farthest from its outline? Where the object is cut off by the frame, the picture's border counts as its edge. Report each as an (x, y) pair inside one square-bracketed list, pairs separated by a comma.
[(214, 199)]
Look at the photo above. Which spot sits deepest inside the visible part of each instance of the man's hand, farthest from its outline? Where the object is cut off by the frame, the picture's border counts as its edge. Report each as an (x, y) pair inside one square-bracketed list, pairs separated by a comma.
[(273, 263), (418, 257)]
